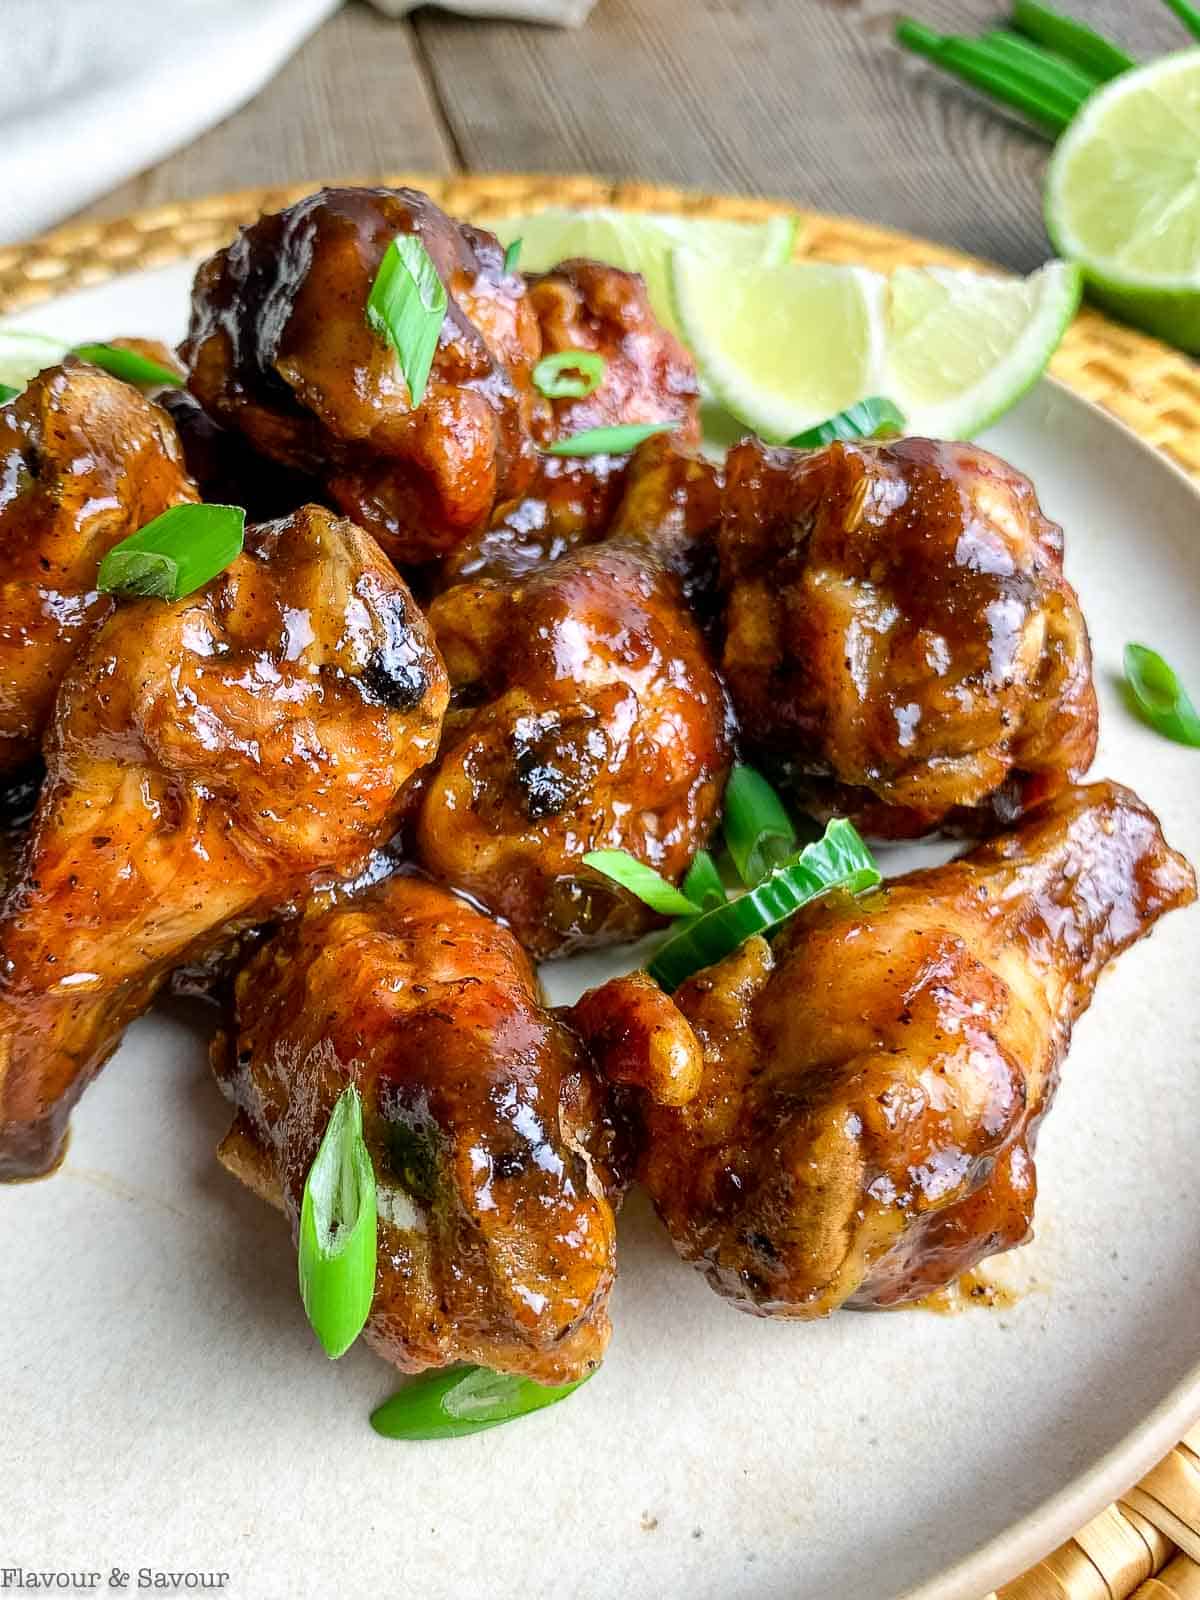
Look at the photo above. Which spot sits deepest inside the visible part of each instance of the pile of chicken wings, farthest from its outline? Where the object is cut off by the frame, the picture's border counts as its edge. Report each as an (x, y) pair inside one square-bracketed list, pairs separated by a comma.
[(353, 778)]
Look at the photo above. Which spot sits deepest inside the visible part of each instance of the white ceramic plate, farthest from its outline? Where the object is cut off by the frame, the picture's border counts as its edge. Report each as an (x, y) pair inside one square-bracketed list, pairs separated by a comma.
[(165, 1406)]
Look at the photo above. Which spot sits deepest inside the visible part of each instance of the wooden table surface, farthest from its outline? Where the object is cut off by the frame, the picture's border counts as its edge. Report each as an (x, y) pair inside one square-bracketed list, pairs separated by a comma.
[(806, 99)]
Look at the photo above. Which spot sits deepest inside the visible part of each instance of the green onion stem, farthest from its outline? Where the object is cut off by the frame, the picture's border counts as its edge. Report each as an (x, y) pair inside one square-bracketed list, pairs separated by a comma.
[(1041, 65), (1098, 56), (979, 67), (1187, 14)]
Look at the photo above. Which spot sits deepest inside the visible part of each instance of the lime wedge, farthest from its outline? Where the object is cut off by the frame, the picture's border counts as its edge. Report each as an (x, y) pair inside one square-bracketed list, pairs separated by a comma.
[(784, 348), (1123, 197), (23, 355), (642, 242)]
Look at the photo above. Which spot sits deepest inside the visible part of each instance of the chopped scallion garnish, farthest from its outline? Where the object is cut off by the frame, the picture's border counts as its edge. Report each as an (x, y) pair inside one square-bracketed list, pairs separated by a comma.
[(338, 1225), (758, 831), (873, 418), (703, 886), (569, 374), (7, 393), (1160, 697), (462, 1400), (1078, 43), (838, 860), (128, 365), (616, 441), (407, 306), (641, 880), (512, 255), (175, 554)]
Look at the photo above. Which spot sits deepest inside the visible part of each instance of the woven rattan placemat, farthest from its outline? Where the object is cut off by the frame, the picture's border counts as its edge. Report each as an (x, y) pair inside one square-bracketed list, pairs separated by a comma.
[(1147, 1545)]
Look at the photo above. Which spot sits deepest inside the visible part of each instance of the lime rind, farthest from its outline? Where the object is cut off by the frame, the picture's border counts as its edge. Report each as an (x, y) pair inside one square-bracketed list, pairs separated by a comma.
[(23, 355)]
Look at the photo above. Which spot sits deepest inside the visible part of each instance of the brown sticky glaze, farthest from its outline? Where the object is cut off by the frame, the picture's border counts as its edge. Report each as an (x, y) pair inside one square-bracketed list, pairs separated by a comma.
[(587, 715), (85, 461), (648, 377), (225, 468), (279, 348), (863, 1131), (206, 762), (481, 1112), (900, 641)]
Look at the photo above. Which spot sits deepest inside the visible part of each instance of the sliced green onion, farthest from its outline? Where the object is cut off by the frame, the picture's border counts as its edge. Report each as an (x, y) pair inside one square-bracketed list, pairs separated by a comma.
[(838, 860), (1187, 14), (175, 554), (128, 364), (616, 441), (553, 374), (7, 393), (407, 306), (1083, 46), (758, 831), (873, 418), (1041, 65), (448, 1405), (1159, 695), (703, 886), (976, 65), (512, 255), (338, 1231), (642, 881)]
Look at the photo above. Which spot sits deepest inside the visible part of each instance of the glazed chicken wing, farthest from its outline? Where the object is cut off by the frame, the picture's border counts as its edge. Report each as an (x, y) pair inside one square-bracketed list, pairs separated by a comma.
[(900, 641), (85, 461), (208, 760), (279, 348), (588, 716), (863, 1130), (481, 1111), (648, 377)]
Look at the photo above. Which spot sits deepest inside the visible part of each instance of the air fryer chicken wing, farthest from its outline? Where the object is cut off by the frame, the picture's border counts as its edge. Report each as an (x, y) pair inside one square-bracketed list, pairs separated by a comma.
[(587, 716), (872, 1086), (648, 377), (85, 461), (279, 348), (900, 641), (208, 760), (481, 1111)]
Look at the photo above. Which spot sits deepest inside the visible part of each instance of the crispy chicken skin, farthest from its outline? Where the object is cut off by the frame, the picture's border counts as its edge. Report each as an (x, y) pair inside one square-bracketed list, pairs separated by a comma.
[(85, 461), (648, 377), (900, 641), (872, 1086), (481, 1110), (587, 715), (206, 763), (279, 348)]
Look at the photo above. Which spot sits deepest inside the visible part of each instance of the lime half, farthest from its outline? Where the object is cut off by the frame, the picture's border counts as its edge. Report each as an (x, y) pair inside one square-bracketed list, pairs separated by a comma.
[(1123, 197), (24, 355), (784, 348), (642, 242)]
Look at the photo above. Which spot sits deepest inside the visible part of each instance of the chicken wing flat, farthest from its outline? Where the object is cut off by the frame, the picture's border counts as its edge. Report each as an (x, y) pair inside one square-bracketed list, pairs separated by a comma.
[(872, 1086), (481, 1112), (279, 348), (900, 641), (85, 461), (208, 760), (588, 715), (648, 377)]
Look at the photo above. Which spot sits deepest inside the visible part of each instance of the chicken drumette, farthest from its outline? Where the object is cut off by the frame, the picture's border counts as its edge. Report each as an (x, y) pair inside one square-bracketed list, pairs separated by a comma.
[(481, 1111), (280, 349), (648, 377), (587, 716), (206, 763), (863, 1129), (85, 461), (900, 642)]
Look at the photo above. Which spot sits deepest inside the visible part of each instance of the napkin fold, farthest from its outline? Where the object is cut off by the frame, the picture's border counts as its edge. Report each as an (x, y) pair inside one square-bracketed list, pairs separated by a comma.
[(96, 90)]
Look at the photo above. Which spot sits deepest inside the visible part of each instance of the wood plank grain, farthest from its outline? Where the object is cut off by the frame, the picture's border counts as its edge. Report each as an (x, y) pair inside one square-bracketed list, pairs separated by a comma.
[(808, 99), (353, 101)]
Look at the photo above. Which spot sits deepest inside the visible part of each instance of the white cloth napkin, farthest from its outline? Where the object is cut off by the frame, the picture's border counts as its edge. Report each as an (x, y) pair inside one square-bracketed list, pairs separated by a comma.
[(95, 90)]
